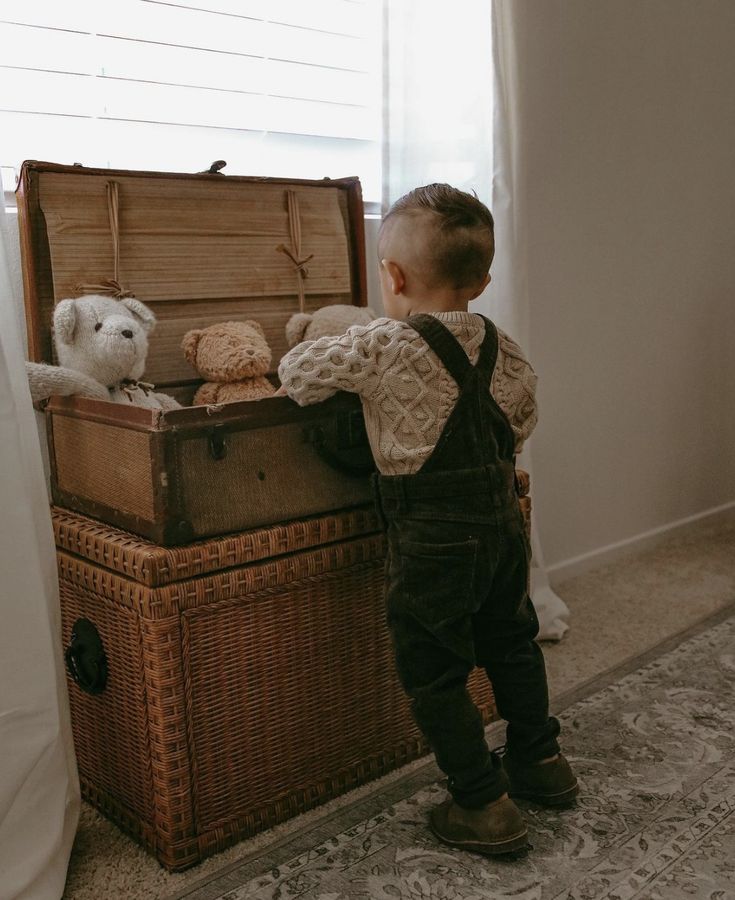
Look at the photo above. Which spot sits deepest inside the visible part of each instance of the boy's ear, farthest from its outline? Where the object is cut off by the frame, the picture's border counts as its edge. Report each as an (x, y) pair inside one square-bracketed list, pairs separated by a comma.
[(482, 287), (395, 274)]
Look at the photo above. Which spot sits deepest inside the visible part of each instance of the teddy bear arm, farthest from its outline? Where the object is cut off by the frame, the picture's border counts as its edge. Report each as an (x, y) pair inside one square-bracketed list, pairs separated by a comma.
[(58, 381), (257, 388), (167, 402), (207, 394)]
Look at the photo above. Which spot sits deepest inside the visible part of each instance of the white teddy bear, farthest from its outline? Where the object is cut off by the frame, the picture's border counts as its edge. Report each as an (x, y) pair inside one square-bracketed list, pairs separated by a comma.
[(101, 344)]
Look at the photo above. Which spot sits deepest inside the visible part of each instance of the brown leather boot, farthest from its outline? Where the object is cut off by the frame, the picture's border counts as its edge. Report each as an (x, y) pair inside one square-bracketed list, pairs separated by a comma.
[(550, 783), (491, 830)]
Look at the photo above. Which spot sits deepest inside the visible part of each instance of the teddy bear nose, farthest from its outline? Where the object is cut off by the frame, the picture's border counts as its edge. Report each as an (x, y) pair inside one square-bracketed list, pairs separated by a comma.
[(127, 333)]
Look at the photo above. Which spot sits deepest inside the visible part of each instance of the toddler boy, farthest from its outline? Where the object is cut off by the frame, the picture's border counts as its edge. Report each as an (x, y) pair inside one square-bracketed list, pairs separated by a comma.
[(448, 401)]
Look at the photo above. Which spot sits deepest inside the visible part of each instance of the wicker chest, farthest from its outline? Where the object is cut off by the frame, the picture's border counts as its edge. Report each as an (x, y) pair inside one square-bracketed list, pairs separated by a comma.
[(237, 681)]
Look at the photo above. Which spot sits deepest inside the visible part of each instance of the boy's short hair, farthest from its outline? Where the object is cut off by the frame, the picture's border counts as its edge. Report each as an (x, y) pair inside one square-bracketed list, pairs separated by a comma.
[(461, 242)]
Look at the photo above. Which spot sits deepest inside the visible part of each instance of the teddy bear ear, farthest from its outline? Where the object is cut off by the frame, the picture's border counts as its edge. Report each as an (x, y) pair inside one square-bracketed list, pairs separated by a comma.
[(190, 343), (256, 325), (140, 311), (65, 321), (296, 328)]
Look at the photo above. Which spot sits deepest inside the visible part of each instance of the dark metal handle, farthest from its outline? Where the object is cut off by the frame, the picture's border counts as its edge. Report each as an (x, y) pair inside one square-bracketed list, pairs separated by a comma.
[(85, 657), (217, 443)]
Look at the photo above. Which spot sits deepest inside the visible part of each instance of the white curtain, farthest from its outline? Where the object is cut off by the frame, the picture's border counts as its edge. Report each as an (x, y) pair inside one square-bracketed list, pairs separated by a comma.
[(39, 788), (451, 115)]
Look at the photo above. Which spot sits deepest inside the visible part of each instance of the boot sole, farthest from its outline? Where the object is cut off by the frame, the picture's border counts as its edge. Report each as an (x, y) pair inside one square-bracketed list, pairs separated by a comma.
[(563, 798), (497, 848)]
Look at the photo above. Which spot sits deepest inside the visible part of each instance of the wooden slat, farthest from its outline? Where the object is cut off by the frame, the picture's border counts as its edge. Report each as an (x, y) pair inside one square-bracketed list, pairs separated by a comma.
[(326, 15), (46, 48), (232, 109), (28, 91), (141, 145), (48, 92), (200, 68), (185, 240), (182, 26), (253, 9), (314, 47), (70, 15), (148, 84)]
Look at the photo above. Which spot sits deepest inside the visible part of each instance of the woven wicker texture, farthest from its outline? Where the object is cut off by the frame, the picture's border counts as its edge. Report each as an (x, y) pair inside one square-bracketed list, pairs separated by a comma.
[(107, 464), (152, 565), (293, 736), (111, 729)]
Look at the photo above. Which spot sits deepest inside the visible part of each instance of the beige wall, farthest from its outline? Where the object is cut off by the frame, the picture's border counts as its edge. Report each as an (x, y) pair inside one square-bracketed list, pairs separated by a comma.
[(627, 120)]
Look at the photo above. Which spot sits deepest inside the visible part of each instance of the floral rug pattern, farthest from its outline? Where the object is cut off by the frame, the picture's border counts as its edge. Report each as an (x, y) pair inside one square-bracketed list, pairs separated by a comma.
[(655, 820)]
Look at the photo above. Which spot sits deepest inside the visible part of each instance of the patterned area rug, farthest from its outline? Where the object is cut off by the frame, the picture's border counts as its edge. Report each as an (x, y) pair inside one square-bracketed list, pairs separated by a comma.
[(655, 754)]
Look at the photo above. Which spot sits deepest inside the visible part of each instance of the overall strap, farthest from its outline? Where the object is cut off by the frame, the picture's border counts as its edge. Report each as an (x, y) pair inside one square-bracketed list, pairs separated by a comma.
[(444, 344), (450, 352), (488, 352)]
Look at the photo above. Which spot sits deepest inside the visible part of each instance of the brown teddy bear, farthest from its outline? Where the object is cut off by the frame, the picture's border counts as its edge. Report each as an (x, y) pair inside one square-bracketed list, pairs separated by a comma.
[(233, 358)]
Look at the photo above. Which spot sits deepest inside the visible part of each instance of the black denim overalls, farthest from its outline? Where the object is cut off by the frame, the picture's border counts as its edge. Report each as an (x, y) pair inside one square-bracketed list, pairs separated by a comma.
[(457, 583)]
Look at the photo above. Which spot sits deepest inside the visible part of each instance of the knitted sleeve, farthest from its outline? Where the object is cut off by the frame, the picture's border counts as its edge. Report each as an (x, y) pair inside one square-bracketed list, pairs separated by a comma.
[(314, 370), (514, 388)]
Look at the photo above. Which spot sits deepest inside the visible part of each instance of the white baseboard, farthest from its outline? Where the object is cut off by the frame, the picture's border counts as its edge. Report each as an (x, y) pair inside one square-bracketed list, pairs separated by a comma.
[(578, 565)]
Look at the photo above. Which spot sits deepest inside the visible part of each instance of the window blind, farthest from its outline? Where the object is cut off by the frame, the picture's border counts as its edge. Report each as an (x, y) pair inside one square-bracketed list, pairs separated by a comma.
[(275, 87)]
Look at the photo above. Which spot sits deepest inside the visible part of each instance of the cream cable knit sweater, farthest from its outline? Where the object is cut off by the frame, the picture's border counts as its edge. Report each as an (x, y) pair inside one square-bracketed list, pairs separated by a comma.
[(406, 393)]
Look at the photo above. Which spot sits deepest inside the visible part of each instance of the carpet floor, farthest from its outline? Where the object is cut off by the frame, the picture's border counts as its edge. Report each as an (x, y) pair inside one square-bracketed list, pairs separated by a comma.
[(654, 751), (618, 612)]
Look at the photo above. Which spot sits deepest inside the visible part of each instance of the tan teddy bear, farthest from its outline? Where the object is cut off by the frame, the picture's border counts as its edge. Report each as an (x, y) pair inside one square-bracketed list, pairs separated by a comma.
[(233, 358), (326, 322)]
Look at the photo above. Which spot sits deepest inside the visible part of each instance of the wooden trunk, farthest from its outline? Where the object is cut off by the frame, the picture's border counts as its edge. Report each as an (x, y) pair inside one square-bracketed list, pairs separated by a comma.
[(245, 679), (176, 476), (198, 249)]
